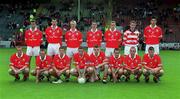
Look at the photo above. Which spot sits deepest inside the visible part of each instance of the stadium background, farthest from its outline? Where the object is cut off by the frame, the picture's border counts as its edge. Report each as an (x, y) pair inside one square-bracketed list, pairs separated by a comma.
[(14, 19)]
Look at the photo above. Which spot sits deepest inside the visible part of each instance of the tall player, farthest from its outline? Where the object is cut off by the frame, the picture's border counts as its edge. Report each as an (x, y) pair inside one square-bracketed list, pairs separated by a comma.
[(152, 36), (131, 37), (54, 38), (132, 63), (112, 38), (73, 39), (94, 37), (97, 63), (19, 63), (152, 65), (33, 39), (116, 65), (61, 66), (43, 64)]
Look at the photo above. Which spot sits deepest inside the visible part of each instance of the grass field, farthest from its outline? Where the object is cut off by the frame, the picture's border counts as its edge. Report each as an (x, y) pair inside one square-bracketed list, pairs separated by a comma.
[(168, 88)]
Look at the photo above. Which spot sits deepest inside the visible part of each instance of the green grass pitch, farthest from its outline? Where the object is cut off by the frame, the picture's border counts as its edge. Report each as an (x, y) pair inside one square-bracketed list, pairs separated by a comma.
[(168, 88)]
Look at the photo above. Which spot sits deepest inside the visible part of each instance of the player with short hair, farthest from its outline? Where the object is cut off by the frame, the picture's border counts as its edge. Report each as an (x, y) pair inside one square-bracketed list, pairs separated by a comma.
[(112, 38), (73, 39), (43, 64), (97, 63), (19, 64), (81, 61), (152, 65), (131, 37), (152, 36), (132, 63), (93, 37), (54, 38), (116, 65), (33, 40), (61, 66)]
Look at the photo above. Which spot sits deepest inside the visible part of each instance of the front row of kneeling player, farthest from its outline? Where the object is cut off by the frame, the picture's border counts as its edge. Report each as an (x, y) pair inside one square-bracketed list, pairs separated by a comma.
[(88, 68)]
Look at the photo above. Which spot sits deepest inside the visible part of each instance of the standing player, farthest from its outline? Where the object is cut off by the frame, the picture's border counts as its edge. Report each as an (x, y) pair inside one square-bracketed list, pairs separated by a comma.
[(54, 38), (116, 65), (61, 66), (94, 37), (81, 60), (132, 63), (19, 63), (33, 39), (152, 65), (73, 39), (112, 38), (97, 63), (152, 36), (131, 37), (43, 64)]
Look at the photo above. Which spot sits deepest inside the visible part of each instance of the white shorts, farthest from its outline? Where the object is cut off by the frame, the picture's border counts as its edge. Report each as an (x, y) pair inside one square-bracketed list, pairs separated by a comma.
[(32, 51), (71, 51), (53, 49), (109, 52), (90, 51), (155, 46), (127, 49)]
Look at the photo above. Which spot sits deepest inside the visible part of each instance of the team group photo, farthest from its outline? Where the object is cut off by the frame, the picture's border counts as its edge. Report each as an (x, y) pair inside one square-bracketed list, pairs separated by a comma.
[(108, 49)]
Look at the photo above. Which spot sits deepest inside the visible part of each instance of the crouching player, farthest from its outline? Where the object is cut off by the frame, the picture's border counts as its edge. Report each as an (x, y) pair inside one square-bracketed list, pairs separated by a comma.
[(81, 60), (97, 62), (116, 65), (43, 63), (61, 66), (152, 65), (19, 63), (132, 64)]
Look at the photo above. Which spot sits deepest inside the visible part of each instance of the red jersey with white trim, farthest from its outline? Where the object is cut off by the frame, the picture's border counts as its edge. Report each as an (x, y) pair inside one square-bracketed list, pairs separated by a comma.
[(81, 61), (132, 63), (33, 38), (54, 35), (152, 35), (19, 62), (73, 38), (130, 37), (94, 38), (153, 62), (96, 60), (112, 38), (43, 63), (116, 62), (61, 62)]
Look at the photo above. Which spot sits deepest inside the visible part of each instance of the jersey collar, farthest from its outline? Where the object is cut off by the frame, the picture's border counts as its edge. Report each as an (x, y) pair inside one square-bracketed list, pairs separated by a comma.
[(94, 31), (73, 31), (62, 56), (20, 56), (111, 30), (34, 29), (43, 59)]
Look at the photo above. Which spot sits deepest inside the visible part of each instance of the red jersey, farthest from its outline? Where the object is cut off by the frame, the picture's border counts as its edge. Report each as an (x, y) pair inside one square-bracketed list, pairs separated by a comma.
[(45, 63), (116, 62), (54, 35), (153, 62), (112, 38), (73, 38), (96, 60), (19, 62), (94, 38), (152, 35), (61, 62), (81, 62), (131, 38), (132, 63), (33, 38)]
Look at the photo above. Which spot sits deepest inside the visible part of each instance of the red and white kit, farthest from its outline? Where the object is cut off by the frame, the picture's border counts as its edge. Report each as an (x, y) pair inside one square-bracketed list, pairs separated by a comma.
[(33, 41)]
